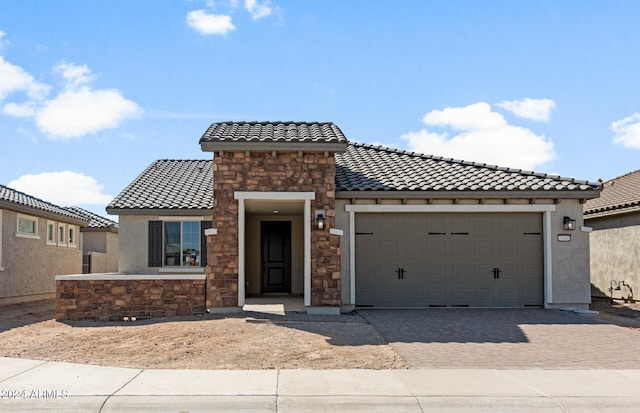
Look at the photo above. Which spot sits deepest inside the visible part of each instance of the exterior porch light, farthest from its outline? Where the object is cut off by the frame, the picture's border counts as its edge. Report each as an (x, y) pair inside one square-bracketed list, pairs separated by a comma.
[(321, 221), (568, 224)]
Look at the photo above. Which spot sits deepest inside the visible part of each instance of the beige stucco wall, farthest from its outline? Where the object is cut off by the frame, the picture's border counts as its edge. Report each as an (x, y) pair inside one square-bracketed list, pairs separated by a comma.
[(133, 244), (98, 262), (615, 254), (252, 251), (30, 265), (569, 260), (102, 242)]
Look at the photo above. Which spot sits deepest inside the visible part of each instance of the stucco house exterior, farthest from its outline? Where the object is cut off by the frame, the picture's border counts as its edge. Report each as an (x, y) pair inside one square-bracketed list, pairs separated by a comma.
[(99, 242), (38, 240), (295, 208), (615, 240)]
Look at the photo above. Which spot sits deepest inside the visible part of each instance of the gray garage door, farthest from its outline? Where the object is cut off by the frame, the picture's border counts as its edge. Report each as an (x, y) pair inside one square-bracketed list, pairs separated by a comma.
[(475, 260)]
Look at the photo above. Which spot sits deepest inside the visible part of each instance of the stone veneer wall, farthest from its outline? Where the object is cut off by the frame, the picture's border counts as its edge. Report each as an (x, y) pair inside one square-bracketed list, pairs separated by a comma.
[(113, 299), (264, 172)]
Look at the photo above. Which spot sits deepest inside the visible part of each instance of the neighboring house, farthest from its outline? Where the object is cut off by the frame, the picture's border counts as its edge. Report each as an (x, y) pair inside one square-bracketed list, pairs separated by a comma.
[(38, 240), (297, 209), (615, 240), (99, 242)]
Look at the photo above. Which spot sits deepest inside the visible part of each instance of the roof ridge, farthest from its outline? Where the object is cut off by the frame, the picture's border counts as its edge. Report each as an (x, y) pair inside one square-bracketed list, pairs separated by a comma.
[(621, 176), (477, 164), (272, 122)]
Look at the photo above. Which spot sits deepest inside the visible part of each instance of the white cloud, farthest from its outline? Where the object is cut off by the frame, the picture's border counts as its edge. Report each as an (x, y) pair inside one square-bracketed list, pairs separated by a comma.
[(532, 109), (627, 131), (19, 110), (62, 188), (15, 79), (74, 75), (2, 42), (76, 113), (481, 135), (258, 10), (207, 23)]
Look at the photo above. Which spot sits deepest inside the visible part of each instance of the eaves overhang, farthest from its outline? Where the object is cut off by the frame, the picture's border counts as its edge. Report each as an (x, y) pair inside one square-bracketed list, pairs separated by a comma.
[(581, 195), (27, 210), (240, 146), (160, 211)]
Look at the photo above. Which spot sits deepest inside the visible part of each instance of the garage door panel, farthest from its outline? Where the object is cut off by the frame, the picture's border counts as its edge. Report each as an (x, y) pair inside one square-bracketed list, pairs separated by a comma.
[(448, 259)]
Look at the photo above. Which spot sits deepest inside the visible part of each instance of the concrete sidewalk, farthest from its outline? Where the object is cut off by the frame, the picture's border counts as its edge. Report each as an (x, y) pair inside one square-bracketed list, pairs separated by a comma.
[(29, 386)]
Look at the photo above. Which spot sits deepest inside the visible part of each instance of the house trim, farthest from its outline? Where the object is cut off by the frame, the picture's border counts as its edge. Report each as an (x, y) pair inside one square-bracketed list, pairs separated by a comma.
[(546, 210), (307, 197)]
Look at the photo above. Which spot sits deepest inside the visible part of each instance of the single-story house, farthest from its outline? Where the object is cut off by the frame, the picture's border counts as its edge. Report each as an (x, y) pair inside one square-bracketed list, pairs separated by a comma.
[(615, 240), (295, 208), (38, 240), (99, 242)]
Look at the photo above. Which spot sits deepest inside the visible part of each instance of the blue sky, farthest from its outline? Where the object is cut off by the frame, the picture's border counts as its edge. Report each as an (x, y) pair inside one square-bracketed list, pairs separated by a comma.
[(91, 92)]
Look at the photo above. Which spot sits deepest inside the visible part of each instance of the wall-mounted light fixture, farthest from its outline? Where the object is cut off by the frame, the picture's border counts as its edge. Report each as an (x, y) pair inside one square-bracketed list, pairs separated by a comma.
[(321, 221), (568, 224)]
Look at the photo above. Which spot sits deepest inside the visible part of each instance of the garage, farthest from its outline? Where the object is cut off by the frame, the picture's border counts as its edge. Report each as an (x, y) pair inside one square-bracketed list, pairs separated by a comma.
[(449, 259)]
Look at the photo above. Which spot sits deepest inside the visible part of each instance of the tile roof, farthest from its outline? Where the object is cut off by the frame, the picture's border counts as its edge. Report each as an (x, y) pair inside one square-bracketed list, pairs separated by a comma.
[(95, 220), (20, 199), (285, 132), (375, 168), (618, 194), (188, 184), (169, 184)]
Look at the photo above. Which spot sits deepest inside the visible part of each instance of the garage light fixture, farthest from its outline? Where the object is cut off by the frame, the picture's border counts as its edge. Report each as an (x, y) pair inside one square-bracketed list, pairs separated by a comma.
[(569, 224), (321, 221)]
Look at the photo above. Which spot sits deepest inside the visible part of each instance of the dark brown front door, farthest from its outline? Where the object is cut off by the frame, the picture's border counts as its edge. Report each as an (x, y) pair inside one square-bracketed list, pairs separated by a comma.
[(276, 256)]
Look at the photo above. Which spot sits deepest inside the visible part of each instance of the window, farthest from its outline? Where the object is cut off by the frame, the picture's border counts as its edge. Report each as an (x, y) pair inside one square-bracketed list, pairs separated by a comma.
[(176, 243), (51, 233), (182, 244), (61, 234), (72, 236), (27, 227)]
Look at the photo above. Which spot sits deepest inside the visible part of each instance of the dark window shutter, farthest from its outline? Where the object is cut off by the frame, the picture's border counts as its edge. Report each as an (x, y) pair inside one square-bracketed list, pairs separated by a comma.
[(203, 242), (155, 243)]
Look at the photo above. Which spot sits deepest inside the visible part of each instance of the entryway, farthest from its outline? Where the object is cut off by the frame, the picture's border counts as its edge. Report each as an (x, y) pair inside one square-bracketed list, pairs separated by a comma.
[(274, 304)]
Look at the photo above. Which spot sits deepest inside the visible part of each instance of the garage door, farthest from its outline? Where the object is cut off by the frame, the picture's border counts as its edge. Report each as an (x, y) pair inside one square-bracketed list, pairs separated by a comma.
[(475, 260)]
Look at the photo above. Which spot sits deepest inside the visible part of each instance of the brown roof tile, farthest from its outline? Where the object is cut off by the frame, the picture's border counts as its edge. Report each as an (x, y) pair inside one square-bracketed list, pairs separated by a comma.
[(618, 194)]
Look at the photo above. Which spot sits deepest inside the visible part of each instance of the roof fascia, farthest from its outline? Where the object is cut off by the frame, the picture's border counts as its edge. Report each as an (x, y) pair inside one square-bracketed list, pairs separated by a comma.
[(611, 212), (27, 210), (274, 146), (583, 194), (158, 211)]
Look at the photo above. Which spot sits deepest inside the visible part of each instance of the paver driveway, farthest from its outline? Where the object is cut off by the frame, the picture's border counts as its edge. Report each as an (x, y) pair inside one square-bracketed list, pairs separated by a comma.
[(505, 339)]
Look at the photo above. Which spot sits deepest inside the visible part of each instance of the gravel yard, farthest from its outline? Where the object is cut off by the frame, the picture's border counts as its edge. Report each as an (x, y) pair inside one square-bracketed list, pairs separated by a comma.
[(216, 342), (207, 342)]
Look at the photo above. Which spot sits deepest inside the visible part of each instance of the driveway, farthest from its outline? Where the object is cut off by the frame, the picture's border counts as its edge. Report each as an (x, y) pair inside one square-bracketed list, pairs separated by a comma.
[(505, 339)]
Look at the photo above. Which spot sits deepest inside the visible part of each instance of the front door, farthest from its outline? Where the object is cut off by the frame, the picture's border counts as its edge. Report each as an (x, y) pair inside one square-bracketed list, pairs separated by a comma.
[(276, 256)]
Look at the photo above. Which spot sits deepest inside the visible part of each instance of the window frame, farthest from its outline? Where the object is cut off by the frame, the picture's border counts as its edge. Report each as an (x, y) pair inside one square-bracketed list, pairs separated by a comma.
[(180, 257), (54, 232), (156, 242), (32, 235), (72, 235), (61, 230)]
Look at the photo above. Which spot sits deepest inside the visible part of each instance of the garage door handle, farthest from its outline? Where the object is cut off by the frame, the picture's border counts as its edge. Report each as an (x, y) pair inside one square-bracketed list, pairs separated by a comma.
[(400, 272), (496, 272)]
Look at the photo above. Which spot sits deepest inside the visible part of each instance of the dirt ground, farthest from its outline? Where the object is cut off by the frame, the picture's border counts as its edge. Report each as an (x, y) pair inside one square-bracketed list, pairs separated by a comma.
[(214, 342), (207, 342)]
